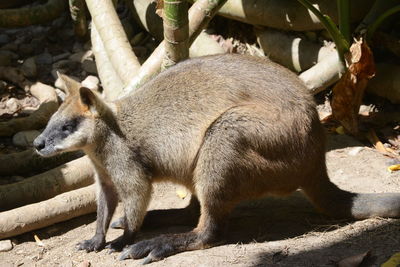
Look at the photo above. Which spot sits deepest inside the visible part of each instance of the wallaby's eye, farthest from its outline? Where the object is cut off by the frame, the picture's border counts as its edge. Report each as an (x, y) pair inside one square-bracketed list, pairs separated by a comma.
[(67, 128)]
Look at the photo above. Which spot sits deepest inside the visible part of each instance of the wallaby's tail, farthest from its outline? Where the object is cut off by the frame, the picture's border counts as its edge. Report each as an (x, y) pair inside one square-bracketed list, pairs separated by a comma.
[(330, 199)]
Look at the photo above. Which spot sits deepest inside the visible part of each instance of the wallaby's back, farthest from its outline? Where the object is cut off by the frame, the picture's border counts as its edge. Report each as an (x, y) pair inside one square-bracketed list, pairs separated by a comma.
[(171, 113)]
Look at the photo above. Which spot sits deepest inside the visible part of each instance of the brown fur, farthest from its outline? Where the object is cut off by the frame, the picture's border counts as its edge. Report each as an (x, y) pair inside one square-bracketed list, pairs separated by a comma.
[(227, 127)]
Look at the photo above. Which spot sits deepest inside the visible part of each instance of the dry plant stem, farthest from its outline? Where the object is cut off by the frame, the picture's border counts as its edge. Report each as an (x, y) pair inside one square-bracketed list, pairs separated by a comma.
[(26, 16), (70, 176), (199, 15), (288, 14), (22, 163), (176, 32), (110, 80), (114, 38), (38, 119), (77, 10), (386, 83), (60, 208)]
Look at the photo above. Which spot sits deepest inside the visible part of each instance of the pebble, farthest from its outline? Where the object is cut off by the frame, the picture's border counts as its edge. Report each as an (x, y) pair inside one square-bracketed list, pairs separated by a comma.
[(13, 105), (91, 82), (4, 39), (81, 56), (29, 68), (5, 245), (26, 49), (66, 64), (25, 138), (89, 66), (10, 46), (44, 59), (5, 59), (61, 56)]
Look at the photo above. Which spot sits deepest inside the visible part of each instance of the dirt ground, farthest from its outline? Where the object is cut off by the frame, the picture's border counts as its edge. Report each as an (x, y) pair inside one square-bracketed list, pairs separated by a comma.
[(267, 232)]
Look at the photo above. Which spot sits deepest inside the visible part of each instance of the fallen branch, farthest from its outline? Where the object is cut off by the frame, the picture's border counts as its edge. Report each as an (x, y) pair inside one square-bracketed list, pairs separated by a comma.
[(291, 50), (26, 16), (60, 208), (287, 14), (114, 39), (323, 74), (25, 162), (38, 119), (111, 82), (200, 14), (70, 176)]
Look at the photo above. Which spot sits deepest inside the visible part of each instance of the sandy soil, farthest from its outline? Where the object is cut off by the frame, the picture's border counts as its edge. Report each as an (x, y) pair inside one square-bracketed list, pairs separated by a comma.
[(267, 232)]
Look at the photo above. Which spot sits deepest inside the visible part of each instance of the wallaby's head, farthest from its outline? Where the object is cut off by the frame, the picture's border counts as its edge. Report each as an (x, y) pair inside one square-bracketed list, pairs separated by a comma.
[(75, 123)]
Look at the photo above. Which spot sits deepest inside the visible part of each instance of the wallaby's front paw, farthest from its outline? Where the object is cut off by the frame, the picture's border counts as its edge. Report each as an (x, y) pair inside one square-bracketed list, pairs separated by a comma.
[(97, 243), (118, 224), (119, 243)]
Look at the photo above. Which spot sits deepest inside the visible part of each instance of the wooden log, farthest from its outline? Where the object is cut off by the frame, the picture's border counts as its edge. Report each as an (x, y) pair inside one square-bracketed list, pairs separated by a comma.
[(60, 208)]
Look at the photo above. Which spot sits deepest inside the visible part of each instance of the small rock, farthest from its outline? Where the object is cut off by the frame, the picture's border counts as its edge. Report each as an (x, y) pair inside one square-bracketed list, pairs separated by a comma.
[(66, 64), (77, 47), (44, 59), (87, 45), (89, 66), (26, 49), (81, 56), (10, 46), (5, 59), (61, 56), (5, 245), (91, 82), (13, 105), (29, 68), (4, 39), (25, 138)]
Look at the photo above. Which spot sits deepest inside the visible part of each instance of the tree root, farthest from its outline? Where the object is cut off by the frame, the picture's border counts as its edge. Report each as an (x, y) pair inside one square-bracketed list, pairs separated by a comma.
[(26, 16), (28, 161), (70, 176), (60, 208), (38, 119)]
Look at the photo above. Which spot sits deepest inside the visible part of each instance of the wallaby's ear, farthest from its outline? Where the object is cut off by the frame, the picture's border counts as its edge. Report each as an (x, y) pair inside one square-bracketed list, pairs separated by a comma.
[(91, 101), (70, 86)]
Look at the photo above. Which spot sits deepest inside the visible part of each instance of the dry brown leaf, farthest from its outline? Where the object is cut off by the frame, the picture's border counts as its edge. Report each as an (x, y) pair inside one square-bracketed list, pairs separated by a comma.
[(354, 261), (348, 92)]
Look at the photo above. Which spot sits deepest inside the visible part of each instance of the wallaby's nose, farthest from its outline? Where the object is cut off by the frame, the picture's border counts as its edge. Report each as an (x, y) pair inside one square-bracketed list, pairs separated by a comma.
[(39, 143)]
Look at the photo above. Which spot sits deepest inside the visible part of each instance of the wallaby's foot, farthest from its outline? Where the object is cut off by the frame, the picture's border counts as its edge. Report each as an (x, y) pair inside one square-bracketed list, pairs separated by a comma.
[(163, 246), (96, 243), (119, 243)]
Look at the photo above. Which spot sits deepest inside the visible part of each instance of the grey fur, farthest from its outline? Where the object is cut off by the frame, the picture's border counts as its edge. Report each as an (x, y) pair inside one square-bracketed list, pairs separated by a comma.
[(227, 127)]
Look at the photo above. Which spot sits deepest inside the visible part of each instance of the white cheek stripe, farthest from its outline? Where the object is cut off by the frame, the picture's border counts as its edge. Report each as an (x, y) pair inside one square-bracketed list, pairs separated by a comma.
[(72, 141)]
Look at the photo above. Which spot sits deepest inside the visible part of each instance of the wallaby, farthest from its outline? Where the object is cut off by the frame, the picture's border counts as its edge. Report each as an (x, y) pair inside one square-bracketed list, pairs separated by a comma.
[(228, 127)]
